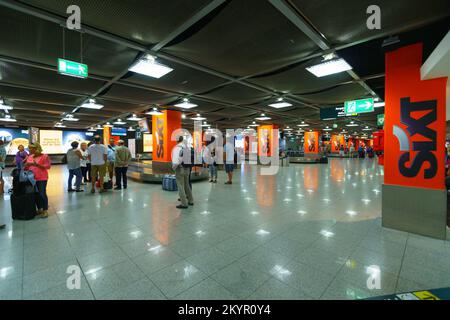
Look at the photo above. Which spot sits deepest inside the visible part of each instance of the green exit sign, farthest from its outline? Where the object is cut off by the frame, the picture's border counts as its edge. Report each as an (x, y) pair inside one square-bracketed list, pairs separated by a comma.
[(73, 69), (359, 106), (380, 120)]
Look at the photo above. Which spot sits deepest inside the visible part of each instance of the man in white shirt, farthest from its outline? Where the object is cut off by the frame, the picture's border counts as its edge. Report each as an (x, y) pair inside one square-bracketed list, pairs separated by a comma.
[(181, 162), (97, 155)]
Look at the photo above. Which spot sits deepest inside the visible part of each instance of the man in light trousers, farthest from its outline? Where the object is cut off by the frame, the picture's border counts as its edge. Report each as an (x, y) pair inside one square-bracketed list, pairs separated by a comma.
[(181, 164)]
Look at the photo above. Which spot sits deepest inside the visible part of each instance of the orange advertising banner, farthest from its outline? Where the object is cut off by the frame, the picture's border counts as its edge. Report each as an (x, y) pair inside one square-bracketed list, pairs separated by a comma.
[(415, 123), (266, 136), (336, 142), (162, 127), (311, 142), (106, 135)]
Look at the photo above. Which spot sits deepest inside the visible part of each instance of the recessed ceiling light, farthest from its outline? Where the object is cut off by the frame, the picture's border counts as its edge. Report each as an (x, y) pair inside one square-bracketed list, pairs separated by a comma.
[(149, 67), (303, 124), (367, 128), (92, 129), (8, 118), (120, 122), (352, 124), (108, 125), (183, 116), (327, 129), (134, 118), (131, 129), (254, 124), (91, 104), (263, 117), (154, 112), (70, 117), (280, 104), (186, 104), (329, 67), (59, 125)]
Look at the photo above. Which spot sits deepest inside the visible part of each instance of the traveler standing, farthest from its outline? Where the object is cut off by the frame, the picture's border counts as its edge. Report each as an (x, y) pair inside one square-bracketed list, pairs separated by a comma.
[(2, 165), (84, 162), (181, 162), (74, 158), (21, 155), (98, 156), (122, 158), (209, 154), (230, 162), (352, 151), (111, 158), (39, 163), (341, 151)]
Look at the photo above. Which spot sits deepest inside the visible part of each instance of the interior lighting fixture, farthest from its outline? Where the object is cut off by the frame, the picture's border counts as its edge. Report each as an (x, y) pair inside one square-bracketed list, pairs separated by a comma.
[(149, 67), (280, 104), (120, 122), (155, 112), (3, 106), (70, 117), (198, 118), (328, 67), (91, 104), (134, 118), (263, 117), (186, 104)]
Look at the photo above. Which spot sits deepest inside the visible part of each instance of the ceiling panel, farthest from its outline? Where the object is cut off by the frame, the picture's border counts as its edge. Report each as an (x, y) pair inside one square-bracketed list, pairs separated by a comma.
[(138, 96), (147, 22), (237, 94), (344, 21), (337, 95), (247, 37)]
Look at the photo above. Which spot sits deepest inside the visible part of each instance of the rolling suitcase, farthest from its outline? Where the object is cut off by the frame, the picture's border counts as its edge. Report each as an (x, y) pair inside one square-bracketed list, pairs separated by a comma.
[(169, 183), (23, 207)]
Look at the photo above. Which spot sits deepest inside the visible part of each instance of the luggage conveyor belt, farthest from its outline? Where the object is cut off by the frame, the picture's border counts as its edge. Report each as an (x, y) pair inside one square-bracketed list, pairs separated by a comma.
[(308, 160), (143, 172)]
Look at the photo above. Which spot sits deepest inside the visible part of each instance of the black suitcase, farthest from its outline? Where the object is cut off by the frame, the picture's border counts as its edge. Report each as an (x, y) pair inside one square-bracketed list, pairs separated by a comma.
[(108, 185), (23, 207)]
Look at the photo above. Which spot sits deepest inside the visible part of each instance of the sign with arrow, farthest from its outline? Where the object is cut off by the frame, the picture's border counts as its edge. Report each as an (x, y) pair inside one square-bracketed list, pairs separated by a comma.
[(73, 69), (359, 106)]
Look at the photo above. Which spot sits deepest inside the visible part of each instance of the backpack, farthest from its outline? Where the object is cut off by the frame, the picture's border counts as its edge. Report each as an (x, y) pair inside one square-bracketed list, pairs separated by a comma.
[(191, 164)]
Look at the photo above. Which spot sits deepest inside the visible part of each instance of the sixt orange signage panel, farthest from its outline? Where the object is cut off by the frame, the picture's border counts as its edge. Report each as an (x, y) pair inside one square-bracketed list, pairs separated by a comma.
[(162, 127), (311, 142), (336, 142), (414, 122), (266, 137)]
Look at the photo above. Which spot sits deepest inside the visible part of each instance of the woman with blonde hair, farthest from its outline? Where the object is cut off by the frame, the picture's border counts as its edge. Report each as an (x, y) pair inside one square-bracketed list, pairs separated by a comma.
[(39, 163)]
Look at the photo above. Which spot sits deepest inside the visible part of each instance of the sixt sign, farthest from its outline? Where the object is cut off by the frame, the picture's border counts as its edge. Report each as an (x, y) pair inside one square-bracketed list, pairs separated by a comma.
[(418, 141)]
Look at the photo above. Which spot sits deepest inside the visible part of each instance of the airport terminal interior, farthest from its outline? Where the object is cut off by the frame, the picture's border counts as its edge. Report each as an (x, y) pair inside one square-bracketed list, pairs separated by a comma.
[(317, 129)]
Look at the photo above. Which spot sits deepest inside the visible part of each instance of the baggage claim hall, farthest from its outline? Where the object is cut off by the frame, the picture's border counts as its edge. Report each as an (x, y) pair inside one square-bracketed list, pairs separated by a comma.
[(224, 150)]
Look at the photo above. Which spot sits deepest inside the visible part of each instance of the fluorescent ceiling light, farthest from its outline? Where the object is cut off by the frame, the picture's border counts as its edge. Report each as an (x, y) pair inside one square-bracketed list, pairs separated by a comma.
[(186, 104), (379, 104), (327, 129), (288, 129), (198, 118), (280, 104), (155, 112), (120, 122), (70, 117), (108, 125), (92, 129), (8, 118), (303, 124), (183, 116), (134, 118), (149, 67), (206, 125), (263, 117), (329, 67), (131, 129), (91, 105), (329, 119), (254, 124), (367, 129), (59, 125), (352, 124)]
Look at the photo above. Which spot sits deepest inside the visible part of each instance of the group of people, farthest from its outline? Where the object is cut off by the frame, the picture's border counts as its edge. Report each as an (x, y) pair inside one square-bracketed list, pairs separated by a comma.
[(352, 152), (183, 162), (38, 163), (94, 162)]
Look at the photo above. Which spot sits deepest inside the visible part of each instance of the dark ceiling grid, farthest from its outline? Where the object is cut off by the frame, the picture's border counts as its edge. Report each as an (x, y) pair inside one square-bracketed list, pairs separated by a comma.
[(43, 15)]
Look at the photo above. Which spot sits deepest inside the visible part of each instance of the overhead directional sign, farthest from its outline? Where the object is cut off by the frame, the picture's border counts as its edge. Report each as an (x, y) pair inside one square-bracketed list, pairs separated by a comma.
[(73, 69), (359, 106), (333, 113)]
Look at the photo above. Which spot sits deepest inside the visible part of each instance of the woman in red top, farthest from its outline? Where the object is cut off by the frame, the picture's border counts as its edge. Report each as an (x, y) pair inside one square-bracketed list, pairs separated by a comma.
[(39, 163)]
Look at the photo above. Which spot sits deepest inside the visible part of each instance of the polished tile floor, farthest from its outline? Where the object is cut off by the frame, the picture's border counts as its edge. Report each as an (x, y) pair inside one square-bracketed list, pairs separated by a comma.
[(310, 232)]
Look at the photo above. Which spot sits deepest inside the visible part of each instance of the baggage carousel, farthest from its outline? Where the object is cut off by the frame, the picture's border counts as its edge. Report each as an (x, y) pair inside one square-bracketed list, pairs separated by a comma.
[(309, 160), (143, 171)]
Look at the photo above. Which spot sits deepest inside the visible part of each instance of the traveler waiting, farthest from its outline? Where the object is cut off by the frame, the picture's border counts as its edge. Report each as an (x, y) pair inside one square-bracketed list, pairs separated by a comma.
[(111, 158), (122, 158), (352, 151), (341, 151), (39, 163), (230, 161), (21, 155), (85, 165), (209, 155), (181, 162), (98, 156), (2, 165), (74, 158)]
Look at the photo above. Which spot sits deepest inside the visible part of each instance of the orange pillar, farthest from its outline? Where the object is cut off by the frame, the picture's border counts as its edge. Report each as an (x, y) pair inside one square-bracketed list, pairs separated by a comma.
[(311, 145), (266, 138), (162, 128)]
